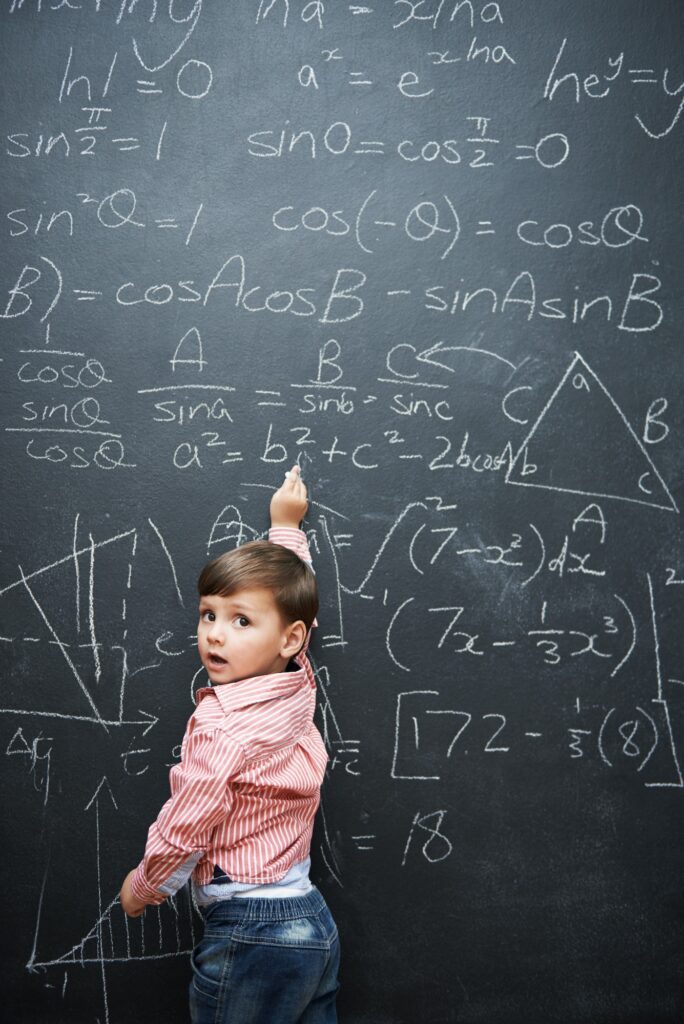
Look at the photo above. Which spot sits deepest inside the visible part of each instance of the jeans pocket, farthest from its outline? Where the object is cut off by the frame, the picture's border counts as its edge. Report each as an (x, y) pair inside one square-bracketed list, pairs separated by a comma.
[(210, 961)]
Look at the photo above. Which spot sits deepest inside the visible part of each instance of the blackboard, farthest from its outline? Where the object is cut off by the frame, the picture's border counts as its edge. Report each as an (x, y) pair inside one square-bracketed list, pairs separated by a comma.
[(433, 251)]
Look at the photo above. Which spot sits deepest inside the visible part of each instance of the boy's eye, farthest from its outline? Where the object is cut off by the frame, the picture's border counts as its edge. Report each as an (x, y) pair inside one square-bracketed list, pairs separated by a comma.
[(242, 620), (207, 616)]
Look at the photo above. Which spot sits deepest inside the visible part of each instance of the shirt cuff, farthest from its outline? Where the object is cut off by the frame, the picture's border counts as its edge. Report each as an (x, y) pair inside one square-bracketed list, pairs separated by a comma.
[(142, 890)]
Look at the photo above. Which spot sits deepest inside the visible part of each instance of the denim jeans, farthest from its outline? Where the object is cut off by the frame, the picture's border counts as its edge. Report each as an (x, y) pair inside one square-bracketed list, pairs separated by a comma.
[(266, 961)]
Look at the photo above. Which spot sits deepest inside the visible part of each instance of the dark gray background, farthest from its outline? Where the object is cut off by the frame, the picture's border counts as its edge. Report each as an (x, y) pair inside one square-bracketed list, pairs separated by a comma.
[(523, 872)]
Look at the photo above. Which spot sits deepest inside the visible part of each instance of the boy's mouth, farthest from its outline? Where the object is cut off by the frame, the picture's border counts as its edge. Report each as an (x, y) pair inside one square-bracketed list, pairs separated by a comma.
[(216, 660)]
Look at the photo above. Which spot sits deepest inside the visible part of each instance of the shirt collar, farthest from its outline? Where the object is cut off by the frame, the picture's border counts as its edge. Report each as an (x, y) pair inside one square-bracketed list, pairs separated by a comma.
[(256, 689)]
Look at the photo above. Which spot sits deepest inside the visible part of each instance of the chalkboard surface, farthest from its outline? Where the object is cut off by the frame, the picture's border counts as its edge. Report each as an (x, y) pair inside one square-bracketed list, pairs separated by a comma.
[(432, 250)]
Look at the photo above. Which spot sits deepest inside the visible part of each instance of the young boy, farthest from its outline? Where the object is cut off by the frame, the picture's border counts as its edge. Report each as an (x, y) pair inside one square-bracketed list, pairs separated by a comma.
[(246, 791)]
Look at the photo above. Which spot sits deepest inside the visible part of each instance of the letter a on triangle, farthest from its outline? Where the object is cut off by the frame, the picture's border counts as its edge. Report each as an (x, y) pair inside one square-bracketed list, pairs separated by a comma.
[(582, 443)]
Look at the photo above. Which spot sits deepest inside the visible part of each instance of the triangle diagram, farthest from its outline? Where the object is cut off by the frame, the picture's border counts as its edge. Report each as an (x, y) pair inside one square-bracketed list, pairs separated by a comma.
[(582, 443), (63, 621)]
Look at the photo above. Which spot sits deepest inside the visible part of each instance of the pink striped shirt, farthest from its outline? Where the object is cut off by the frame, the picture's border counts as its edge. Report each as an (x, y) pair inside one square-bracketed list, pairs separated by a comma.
[(247, 788)]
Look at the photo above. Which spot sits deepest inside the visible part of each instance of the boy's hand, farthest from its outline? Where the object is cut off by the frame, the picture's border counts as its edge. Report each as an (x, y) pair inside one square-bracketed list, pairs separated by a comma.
[(132, 906), (289, 503)]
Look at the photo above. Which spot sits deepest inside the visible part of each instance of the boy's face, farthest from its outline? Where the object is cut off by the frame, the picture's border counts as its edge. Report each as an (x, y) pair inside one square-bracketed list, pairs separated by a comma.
[(243, 635)]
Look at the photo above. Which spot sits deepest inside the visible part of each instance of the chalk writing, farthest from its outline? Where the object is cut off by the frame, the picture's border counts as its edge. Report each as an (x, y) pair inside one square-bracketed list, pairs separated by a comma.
[(429, 250)]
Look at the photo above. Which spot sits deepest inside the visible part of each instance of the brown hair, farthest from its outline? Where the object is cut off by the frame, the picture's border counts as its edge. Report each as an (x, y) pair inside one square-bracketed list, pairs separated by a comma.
[(262, 564)]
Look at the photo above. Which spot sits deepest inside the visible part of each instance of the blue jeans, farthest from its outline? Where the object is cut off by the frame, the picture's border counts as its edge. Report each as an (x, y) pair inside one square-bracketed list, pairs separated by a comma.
[(266, 961)]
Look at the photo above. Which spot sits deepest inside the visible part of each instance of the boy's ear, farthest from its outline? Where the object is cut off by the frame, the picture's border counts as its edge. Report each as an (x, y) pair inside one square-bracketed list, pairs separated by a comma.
[(295, 637)]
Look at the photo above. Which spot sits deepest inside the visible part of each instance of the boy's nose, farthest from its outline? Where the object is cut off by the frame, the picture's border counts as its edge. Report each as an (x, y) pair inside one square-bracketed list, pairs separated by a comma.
[(215, 633)]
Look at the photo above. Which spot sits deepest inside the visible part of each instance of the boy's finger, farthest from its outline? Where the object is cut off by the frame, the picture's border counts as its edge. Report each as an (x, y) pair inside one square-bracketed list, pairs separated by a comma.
[(292, 478)]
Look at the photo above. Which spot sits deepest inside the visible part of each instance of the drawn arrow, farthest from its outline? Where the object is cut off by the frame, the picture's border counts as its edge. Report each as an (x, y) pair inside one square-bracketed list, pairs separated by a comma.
[(426, 355), (153, 719), (148, 720), (103, 781)]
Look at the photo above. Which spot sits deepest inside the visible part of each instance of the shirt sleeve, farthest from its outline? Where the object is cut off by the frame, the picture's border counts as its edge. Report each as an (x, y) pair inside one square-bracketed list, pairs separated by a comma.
[(177, 840), (292, 538), (295, 540)]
